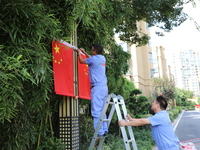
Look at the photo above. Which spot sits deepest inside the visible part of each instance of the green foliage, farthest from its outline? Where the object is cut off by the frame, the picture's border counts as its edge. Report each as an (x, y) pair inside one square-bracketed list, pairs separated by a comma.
[(179, 109), (164, 86), (116, 67), (143, 138), (26, 31), (52, 144), (114, 142), (138, 106), (86, 131), (173, 114), (154, 12), (136, 92), (182, 96), (190, 105), (12, 73), (115, 86)]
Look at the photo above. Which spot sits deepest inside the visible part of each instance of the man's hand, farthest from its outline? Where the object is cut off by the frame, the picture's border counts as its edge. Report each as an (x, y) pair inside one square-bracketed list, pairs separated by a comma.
[(82, 50), (128, 117), (122, 123), (78, 51), (81, 60)]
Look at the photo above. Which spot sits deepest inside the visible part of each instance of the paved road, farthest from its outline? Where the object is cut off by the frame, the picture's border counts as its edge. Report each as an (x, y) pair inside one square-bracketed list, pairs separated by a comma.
[(188, 128)]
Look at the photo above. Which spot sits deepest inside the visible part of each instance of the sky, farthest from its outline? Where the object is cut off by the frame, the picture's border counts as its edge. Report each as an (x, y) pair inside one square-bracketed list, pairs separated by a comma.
[(186, 36)]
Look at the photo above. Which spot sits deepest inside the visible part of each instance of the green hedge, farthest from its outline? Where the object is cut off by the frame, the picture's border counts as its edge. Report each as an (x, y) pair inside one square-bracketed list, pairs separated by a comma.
[(173, 113)]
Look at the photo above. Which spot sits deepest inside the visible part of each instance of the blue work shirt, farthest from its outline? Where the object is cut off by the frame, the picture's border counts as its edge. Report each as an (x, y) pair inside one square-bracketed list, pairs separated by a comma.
[(163, 132), (97, 70)]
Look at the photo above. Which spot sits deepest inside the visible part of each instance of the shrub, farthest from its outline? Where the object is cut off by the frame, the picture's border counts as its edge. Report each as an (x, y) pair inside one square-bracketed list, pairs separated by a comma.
[(114, 142), (86, 131), (52, 144), (143, 137), (173, 114), (179, 109), (138, 106)]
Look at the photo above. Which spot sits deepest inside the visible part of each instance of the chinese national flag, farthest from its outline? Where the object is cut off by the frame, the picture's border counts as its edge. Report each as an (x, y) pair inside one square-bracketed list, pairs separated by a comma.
[(83, 80), (63, 69)]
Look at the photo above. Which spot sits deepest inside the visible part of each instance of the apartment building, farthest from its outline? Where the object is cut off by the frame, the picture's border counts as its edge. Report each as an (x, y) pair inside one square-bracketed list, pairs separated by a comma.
[(141, 63), (161, 68), (186, 70)]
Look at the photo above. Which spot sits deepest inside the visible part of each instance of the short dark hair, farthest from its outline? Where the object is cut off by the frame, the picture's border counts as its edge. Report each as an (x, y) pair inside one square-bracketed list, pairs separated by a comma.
[(162, 101), (98, 48)]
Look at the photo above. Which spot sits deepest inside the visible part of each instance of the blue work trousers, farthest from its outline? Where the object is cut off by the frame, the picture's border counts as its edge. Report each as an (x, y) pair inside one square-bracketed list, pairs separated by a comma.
[(98, 98)]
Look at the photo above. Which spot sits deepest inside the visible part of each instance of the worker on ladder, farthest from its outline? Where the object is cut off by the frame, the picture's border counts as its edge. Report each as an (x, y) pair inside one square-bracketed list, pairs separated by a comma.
[(98, 82)]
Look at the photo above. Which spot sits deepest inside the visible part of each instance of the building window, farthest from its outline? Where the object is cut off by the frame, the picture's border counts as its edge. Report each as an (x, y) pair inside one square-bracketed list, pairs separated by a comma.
[(128, 72), (152, 73), (150, 57), (149, 42)]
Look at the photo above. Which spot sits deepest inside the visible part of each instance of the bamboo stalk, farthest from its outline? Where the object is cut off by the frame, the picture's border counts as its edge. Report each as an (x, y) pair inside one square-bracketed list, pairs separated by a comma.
[(51, 127), (39, 136)]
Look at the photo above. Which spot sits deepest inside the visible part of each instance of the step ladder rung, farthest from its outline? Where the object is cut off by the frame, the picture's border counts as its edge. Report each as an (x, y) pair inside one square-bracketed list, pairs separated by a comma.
[(130, 140), (106, 120), (120, 103)]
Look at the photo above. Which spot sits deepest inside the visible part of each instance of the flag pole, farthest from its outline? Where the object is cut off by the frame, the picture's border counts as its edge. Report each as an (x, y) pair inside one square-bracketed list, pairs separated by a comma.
[(69, 108)]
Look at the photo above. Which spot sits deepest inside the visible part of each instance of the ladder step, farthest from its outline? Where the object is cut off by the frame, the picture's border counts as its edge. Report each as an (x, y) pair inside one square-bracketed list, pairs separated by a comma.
[(106, 120), (130, 140), (114, 103)]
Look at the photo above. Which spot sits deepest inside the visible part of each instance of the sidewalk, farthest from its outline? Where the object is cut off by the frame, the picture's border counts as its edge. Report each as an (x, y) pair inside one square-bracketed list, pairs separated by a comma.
[(174, 124)]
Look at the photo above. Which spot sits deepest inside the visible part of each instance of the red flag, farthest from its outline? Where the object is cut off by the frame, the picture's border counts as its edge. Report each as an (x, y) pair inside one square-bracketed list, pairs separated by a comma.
[(83, 80), (63, 69)]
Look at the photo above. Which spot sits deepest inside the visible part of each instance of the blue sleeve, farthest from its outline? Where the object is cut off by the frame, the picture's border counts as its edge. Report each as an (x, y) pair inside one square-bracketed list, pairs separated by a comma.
[(155, 120), (89, 60)]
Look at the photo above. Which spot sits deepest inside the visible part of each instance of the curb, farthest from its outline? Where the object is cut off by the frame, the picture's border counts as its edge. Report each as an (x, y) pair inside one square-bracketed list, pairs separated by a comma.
[(176, 121)]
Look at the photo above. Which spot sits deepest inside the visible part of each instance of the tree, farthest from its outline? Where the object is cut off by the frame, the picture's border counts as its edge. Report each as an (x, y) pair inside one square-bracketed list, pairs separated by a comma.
[(26, 31), (137, 105), (164, 86), (182, 96)]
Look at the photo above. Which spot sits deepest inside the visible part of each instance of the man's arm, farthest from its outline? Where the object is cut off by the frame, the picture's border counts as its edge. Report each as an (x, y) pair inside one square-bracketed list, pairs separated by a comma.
[(84, 52), (82, 61), (134, 122)]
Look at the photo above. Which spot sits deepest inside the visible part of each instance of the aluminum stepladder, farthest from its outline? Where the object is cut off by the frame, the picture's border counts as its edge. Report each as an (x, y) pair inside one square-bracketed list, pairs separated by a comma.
[(130, 143)]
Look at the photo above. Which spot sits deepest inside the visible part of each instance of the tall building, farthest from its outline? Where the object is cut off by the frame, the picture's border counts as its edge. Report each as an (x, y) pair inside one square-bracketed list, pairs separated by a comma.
[(169, 73), (186, 70), (141, 63), (161, 69)]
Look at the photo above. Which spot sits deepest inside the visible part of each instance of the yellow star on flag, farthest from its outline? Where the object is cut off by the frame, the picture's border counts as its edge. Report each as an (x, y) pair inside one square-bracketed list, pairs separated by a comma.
[(57, 49), (85, 70)]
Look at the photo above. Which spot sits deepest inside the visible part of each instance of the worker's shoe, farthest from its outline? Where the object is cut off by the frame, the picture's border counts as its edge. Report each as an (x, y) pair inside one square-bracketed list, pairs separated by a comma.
[(100, 136), (105, 133)]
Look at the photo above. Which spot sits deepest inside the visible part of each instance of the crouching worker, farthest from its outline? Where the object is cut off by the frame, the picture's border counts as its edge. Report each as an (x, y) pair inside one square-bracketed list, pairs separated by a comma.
[(162, 129)]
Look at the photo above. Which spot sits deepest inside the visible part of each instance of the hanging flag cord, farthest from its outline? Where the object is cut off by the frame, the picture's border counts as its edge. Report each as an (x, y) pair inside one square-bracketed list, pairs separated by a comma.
[(129, 141)]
